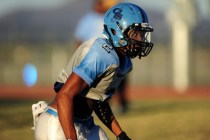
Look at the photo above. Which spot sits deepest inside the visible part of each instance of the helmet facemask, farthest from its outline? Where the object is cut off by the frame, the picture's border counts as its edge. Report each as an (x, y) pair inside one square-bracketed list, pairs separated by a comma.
[(138, 40)]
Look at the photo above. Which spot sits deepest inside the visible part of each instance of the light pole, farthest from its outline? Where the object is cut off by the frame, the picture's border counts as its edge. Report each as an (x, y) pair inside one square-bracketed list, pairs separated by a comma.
[(182, 18)]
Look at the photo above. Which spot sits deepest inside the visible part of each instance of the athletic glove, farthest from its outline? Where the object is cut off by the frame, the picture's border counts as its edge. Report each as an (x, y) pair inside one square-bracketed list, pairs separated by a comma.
[(123, 136)]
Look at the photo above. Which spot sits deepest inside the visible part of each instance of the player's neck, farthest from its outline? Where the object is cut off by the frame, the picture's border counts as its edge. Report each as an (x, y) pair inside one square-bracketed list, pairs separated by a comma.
[(121, 54)]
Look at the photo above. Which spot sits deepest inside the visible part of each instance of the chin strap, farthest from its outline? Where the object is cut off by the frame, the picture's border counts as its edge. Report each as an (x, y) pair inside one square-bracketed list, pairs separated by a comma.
[(145, 49), (142, 50)]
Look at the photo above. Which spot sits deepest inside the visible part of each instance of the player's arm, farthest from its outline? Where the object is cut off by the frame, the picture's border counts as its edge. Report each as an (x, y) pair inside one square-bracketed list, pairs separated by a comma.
[(105, 114), (73, 86)]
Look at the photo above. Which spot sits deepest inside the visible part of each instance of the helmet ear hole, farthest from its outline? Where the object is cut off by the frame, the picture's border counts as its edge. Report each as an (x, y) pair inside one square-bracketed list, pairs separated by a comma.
[(113, 31)]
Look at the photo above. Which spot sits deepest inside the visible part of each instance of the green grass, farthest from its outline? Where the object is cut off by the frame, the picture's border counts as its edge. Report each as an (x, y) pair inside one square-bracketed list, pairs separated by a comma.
[(146, 120)]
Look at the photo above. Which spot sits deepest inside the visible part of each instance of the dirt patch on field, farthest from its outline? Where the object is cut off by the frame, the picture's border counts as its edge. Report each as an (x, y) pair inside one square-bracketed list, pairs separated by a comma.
[(168, 92), (46, 92), (22, 92)]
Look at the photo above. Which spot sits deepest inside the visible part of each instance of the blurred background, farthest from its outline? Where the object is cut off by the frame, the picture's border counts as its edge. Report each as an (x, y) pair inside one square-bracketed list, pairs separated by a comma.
[(37, 39)]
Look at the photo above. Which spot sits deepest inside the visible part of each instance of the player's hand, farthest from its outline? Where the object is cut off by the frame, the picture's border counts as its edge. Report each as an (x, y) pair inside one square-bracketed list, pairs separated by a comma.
[(123, 136)]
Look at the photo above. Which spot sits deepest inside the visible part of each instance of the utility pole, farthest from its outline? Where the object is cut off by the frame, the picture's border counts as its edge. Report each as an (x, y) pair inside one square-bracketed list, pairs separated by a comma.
[(182, 18)]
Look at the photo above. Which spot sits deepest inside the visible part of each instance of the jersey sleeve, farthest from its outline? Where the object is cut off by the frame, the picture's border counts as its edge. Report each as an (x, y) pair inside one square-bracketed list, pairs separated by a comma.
[(91, 66)]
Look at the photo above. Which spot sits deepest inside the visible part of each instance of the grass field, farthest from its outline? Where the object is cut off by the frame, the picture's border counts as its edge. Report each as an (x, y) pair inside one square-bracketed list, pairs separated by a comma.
[(146, 120)]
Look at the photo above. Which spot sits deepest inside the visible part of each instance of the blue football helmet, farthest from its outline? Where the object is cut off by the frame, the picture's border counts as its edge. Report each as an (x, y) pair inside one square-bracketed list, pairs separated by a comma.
[(122, 18)]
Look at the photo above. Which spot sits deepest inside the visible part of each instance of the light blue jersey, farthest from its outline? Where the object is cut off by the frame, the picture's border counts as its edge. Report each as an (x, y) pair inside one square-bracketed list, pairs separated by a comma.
[(98, 64)]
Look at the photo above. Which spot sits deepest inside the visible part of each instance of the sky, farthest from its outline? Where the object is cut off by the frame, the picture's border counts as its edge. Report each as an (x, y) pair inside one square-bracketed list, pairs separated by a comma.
[(7, 6)]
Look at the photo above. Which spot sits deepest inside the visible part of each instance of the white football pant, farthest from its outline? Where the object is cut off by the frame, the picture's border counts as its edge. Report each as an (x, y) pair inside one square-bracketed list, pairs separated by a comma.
[(48, 128)]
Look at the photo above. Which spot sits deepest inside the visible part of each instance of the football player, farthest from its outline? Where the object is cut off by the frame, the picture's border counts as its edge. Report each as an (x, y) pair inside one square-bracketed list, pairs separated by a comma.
[(89, 79)]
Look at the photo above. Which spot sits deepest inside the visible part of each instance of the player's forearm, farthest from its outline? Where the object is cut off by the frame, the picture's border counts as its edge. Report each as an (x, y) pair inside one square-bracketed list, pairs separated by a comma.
[(116, 129), (65, 114), (104, 113)]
